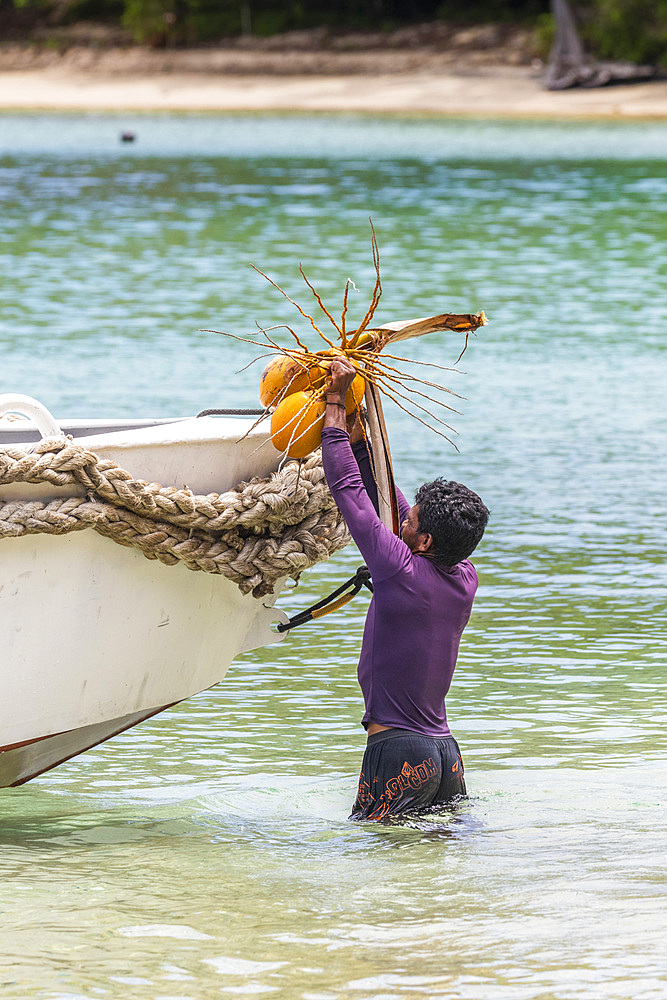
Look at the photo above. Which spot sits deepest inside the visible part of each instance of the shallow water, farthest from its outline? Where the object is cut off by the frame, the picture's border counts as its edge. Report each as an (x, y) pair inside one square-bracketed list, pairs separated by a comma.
[(207, 853)]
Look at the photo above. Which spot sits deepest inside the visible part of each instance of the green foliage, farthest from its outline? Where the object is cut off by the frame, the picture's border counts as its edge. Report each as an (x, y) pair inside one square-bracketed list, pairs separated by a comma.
[(635, 30), (175, 21), (169, 22), (481, 11), (148, 20), (92, 10), (34, 5), (545, 32)]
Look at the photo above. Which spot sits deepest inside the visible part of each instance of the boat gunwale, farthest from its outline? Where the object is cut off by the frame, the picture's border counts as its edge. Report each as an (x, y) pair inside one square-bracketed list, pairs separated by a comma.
[(110, 432)]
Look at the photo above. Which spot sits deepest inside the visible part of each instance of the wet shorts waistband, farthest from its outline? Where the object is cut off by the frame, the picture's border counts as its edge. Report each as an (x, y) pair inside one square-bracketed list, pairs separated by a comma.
[(392, 734)]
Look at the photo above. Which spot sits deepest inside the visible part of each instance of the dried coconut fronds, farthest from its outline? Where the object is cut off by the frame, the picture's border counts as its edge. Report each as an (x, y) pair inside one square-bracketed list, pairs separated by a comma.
[(364, 347)]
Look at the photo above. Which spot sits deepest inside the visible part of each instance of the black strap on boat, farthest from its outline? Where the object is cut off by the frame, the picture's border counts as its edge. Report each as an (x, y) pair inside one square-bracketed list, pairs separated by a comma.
[(362, 578)]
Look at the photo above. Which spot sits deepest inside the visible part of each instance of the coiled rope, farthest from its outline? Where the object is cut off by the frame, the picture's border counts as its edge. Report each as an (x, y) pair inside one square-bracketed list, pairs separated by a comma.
[(254, 534)]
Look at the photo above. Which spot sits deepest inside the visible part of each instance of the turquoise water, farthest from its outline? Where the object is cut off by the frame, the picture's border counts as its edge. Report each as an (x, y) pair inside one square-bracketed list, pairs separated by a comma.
[(207, 852)]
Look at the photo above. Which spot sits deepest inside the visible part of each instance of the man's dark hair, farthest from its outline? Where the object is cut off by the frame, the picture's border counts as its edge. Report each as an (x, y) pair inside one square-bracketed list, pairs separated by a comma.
[(454, 517)]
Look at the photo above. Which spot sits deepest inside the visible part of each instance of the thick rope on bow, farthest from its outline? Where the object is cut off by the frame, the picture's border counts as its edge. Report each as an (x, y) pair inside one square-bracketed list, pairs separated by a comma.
[(255, 534)]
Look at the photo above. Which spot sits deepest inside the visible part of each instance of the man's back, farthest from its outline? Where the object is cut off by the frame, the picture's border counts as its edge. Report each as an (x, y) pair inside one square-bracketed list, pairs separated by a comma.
[(418, 612), (411, 641)]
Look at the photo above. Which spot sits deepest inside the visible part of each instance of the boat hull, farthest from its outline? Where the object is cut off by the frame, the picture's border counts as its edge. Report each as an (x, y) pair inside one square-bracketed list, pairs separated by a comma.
[(20, 764), (95, 637)]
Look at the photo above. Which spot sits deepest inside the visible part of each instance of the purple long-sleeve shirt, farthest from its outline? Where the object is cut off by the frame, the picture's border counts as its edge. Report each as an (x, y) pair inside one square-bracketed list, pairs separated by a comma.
[(418, 610)]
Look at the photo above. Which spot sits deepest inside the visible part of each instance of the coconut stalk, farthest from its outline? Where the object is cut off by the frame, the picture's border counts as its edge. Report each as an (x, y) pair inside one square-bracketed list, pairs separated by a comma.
[(405, 329), (381, 457), (390, 333)]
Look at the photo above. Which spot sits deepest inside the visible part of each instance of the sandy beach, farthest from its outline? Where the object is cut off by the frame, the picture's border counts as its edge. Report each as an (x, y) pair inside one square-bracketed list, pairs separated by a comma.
[(407, 80), (492, 94)]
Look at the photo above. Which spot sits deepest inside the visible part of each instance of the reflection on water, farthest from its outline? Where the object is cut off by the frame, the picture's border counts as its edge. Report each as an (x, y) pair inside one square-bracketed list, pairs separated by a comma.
[(207, 852)]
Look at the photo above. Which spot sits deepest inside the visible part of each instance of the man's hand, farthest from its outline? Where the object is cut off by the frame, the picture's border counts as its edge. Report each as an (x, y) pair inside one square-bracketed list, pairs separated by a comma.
[(341, 376)]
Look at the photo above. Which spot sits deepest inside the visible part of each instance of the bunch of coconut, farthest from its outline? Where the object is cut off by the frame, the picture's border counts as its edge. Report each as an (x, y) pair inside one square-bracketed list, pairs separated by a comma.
[(293, 385)]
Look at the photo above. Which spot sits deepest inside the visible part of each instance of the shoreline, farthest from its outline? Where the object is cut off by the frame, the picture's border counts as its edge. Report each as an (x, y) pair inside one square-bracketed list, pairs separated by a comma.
[(431, 69), (490, 92)]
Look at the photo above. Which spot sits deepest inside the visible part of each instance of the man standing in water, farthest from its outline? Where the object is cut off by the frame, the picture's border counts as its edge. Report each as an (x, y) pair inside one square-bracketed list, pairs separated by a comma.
[(424, 587)]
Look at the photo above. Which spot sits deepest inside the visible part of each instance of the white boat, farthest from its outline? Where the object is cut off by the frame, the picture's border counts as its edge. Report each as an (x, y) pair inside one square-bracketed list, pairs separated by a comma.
[(95, 637)]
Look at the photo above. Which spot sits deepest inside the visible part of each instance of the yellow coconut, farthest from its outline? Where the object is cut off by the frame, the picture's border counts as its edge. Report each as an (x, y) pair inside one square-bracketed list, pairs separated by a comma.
[(296, 424), (355, 394), (283, 375), (318, 375)]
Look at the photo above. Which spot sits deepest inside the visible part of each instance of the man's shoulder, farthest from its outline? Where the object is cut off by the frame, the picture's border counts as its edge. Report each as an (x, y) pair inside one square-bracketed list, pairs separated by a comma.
[(467, 575), (467, 568), (462, 577)]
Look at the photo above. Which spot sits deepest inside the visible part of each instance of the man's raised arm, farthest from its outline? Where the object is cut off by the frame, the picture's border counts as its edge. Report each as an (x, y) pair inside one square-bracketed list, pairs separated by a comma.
[(383, 552)]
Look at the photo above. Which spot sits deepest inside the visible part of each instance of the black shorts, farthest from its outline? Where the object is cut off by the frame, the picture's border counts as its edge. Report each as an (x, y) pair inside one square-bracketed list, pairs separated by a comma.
[(407, 772)]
